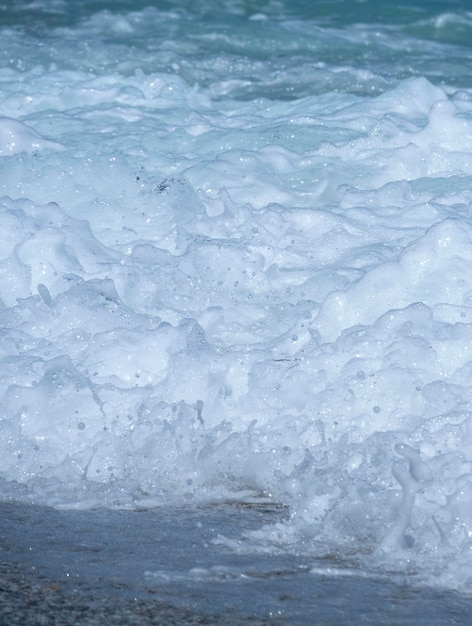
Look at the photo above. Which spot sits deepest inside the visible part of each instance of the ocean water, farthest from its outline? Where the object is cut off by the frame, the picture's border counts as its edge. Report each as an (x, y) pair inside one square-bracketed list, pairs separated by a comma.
[(235, 266)]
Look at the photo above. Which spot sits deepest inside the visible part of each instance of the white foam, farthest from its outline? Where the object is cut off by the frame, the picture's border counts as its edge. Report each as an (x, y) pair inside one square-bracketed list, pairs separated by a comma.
[(17, 137), (202, 295)]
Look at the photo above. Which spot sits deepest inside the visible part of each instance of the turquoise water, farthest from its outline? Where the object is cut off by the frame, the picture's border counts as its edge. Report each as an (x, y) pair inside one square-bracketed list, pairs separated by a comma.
[(323, 45), (235, 266)]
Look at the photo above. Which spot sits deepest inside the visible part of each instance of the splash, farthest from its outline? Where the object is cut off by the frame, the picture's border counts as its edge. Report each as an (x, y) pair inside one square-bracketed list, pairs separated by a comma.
[(219, 280)]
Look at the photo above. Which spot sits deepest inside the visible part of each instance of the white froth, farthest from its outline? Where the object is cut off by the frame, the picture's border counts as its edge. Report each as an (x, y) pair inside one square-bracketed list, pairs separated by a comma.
[(209, 286)]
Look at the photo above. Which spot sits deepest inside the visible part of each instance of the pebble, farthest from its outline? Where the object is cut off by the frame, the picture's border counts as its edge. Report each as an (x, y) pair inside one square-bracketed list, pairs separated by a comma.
[(27, 599)]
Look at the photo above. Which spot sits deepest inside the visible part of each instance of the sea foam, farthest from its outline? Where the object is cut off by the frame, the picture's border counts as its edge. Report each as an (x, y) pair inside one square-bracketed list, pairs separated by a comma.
[(209, 293)]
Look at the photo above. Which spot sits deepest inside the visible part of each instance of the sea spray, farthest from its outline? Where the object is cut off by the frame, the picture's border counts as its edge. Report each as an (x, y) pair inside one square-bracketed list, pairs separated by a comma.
[(235, 264), (410, 479)]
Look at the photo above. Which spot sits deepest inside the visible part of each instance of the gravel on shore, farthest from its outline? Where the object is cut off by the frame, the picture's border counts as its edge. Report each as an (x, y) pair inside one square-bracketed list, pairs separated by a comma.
[(30, 600)]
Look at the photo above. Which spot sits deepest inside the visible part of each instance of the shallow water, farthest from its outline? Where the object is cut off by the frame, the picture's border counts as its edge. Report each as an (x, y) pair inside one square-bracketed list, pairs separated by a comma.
[(235, 265), (173, 555)]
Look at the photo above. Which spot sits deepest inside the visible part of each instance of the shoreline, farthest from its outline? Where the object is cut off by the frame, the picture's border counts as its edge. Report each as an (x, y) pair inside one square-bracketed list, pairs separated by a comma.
[(30, 599), (69, 568)]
